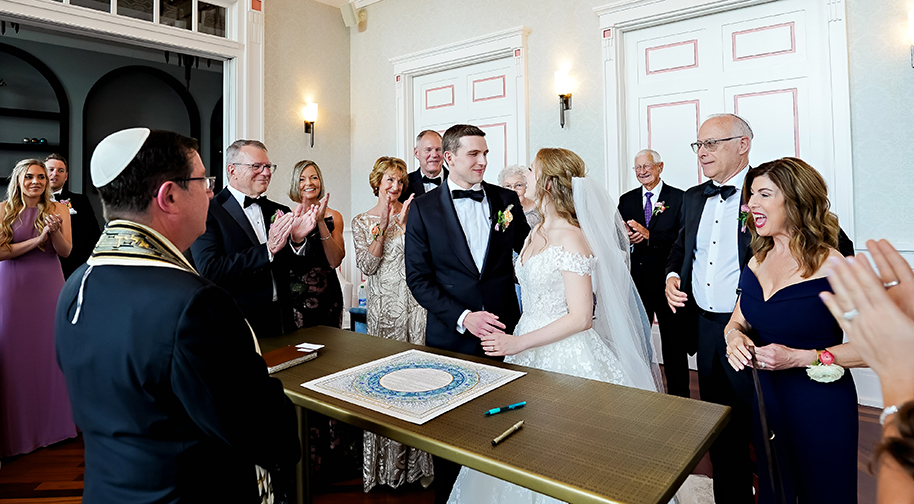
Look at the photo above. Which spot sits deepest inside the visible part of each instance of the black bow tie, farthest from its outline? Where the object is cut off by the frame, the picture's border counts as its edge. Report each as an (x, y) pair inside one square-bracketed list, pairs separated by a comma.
[(248, 201), (436, 180), (474, 195), (725, 192)]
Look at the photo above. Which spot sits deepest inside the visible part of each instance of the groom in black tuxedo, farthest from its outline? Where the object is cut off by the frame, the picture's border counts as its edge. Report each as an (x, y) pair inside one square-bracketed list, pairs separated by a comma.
[(459, 243), (653, 214)]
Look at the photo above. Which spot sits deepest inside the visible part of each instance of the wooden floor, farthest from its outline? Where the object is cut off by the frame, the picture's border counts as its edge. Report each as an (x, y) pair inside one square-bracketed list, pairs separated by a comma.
[(54, 475)]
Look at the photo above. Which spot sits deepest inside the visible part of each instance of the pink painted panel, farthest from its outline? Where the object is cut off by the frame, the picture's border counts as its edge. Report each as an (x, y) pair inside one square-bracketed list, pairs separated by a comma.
[(492, 97), (647, 57), (793, 41), (504, 127), (796, 113), (695, 103), (451, 104)]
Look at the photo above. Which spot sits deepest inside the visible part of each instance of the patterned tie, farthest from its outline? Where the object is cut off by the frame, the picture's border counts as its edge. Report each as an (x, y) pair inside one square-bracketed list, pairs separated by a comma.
[(648, 208)]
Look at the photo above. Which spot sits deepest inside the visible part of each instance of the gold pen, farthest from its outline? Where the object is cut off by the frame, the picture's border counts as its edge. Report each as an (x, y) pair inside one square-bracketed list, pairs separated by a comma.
[(516, 427)]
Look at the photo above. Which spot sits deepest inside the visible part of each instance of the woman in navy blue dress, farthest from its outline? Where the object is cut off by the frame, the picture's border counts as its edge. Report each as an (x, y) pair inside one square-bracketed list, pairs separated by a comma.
[(812, 423)]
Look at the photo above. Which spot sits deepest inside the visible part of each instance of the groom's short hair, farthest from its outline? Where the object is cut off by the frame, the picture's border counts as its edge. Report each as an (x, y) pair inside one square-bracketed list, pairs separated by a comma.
[(451, 140)]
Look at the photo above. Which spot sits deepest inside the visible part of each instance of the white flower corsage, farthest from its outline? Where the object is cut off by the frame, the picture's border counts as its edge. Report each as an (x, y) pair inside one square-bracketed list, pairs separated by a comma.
[(69, 206), (824, 369)]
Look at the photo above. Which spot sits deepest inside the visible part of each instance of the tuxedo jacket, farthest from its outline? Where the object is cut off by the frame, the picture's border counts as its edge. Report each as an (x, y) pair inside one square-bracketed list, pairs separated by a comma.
[(229, 255), (83, 229), (649, 257), (441, 273), (173, 401), (414, 184)]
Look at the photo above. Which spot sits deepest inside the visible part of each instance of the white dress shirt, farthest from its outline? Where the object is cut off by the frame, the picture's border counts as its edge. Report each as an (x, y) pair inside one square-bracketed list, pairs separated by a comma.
[(474, 220), (715, 270), (255, 217), (655, 193), (428, 185)]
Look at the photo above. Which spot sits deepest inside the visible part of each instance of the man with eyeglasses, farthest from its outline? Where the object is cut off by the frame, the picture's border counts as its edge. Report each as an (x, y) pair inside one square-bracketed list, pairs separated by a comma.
[(652, 213), (162, 371), (431, 172), (250, 241)]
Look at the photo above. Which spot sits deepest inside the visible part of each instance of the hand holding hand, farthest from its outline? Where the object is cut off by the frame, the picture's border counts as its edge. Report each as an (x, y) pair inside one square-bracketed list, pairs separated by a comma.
[(775, 357), (279, 233), (482, 323), (675, 297), (404, 211), (738, 353), (498, 344), (638, 232)]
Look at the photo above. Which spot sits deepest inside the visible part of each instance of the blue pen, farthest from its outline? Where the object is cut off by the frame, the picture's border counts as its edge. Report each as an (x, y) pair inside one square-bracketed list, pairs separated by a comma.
[(505, 408)]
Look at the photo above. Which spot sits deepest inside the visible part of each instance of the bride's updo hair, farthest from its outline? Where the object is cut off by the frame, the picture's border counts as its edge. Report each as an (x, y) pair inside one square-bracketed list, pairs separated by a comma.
[(557, 168)]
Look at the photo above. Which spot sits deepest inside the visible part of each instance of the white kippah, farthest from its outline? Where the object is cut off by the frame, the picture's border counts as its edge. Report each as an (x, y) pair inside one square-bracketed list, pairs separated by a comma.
[(114, 153)]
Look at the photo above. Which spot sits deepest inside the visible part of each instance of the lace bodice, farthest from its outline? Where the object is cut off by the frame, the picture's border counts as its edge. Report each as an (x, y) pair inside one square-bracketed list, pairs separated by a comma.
[(543, 290)]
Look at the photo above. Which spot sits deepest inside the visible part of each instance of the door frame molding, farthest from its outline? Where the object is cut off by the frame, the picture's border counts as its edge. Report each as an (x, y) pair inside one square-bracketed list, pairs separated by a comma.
[(503, 44), (622, 16)]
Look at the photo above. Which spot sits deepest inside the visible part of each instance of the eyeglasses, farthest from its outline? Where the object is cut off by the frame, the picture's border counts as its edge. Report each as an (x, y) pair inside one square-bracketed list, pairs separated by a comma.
[(257, 168), (209, 182), (710, 144), (645, 166), (516, 187)]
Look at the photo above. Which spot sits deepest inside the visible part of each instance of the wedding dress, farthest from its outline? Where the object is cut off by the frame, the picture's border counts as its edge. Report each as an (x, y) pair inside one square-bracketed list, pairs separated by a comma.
[(615, 350)]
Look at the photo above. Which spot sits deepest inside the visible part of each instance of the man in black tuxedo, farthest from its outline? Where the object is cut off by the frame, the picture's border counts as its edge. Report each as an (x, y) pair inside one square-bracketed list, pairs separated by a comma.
[(430, 173), (458, 266), (83, 224), (174, 402), (653, 213), (250, 241)]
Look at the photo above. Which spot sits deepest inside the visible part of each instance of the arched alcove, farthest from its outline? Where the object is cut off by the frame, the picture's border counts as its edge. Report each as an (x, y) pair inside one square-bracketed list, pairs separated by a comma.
[(33, 104), (216, 145), (135, 96)]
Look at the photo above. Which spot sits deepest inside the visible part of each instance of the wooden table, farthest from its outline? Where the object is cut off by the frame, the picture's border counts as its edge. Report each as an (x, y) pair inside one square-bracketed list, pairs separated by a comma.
[(583, 441)]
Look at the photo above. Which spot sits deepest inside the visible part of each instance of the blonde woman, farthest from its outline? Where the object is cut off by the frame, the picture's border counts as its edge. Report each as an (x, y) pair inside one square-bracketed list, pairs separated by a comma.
[(393, 313), (315, 292), (34, 231)]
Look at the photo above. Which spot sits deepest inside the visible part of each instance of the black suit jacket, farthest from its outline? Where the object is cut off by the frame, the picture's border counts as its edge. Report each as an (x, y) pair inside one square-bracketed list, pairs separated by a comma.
[(414, 184), (230, 255), (649, 257), (441, 273), (173, 401), (84, 230)]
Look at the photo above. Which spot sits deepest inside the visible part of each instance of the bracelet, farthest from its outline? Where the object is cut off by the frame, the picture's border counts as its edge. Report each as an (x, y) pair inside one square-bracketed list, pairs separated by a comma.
[(327, 238), (891, 410), (728, 333)]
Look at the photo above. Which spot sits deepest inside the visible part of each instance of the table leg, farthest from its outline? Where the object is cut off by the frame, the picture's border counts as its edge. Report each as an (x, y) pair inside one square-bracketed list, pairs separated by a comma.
[(303, 473)]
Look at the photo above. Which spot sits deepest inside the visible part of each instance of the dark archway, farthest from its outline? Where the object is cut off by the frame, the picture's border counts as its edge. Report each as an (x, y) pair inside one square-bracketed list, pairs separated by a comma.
[(215, 145), (135, 96)]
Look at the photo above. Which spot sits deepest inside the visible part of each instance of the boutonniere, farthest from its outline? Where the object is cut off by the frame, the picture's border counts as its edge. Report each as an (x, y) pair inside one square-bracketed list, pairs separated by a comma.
[(659, 208), (743, 217), (276, 215), (504, 218), (69, 205), (824, 369)]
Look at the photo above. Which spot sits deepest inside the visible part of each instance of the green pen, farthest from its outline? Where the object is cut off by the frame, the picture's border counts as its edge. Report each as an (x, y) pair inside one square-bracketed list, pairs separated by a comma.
[(510, 407)]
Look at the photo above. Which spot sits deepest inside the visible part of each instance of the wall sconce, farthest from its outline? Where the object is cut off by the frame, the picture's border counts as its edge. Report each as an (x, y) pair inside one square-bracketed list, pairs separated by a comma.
[(563, 88), (310, 114)]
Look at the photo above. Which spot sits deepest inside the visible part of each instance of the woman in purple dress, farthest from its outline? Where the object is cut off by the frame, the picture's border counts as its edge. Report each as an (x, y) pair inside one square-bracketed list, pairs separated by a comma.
[(34, 230)]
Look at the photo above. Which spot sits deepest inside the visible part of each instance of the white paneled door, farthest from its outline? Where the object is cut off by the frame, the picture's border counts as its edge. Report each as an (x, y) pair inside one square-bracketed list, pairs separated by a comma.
[(768, 63), (484, 94)]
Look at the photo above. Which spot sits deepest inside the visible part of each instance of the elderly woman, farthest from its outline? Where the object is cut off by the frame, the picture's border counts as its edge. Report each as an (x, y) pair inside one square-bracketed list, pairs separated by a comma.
[(811, 402), (517, 178), (315, 293), (34, 232), (393, 313), (877, 314)]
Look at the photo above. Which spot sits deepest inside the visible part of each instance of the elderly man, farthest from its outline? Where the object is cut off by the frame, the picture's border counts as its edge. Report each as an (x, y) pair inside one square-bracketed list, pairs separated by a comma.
[(652, 213), (83, 223), (250, 242), (163, 374), (429, 175)]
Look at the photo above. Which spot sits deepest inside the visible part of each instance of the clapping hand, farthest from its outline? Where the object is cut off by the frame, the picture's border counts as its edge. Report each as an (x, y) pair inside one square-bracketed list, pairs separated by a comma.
[(404, 211), (279, 233), (304, 219)]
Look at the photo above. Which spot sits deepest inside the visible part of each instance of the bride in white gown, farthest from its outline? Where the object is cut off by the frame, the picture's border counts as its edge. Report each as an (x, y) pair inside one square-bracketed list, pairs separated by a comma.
[(572, 271)]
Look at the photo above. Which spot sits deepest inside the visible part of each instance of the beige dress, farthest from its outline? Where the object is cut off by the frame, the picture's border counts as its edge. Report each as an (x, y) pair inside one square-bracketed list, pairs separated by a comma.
[(392, 313)]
